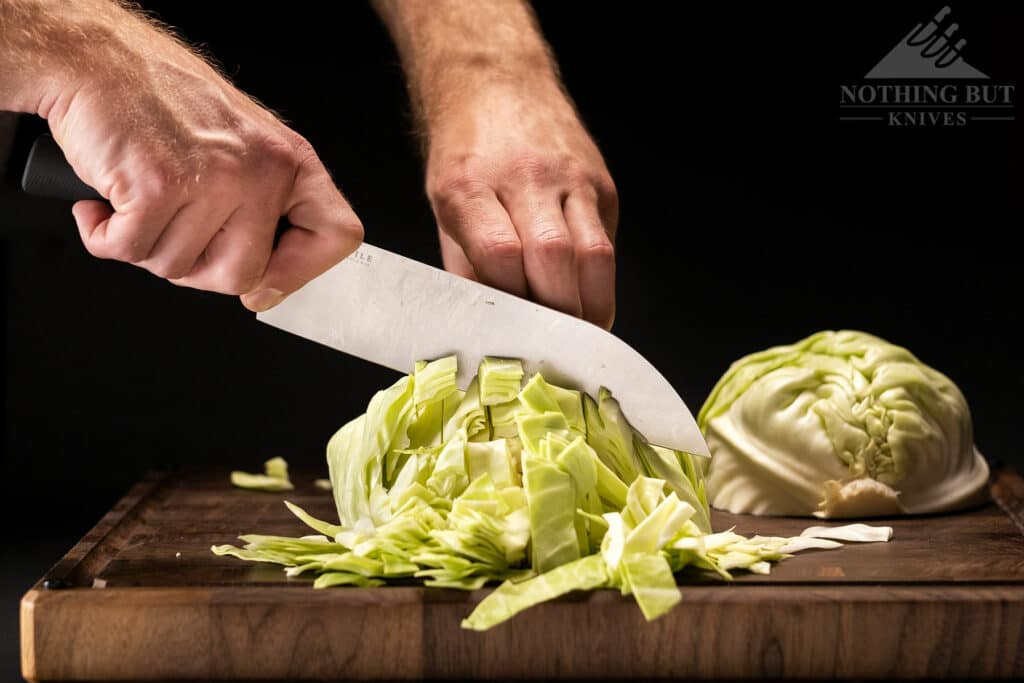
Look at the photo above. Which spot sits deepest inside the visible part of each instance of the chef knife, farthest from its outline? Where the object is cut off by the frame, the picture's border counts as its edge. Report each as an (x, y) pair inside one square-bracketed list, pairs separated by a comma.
[(392, 310)]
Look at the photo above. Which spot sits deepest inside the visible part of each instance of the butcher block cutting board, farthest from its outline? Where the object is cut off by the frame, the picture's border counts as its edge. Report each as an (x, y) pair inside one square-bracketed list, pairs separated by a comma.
[(142, 597)]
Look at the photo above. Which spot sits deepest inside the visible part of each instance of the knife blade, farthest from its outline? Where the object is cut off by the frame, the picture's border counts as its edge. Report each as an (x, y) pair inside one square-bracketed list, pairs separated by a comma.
[(393, 311)]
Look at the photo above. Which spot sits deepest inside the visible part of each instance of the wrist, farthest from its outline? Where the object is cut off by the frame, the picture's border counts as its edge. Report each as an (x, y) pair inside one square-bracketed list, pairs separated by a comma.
[(470, 81)]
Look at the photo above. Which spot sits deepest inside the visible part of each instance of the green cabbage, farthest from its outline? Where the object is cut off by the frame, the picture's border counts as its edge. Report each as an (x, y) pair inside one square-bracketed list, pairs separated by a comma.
[(539, 487), (274, 478), (500, 380), (840, 424)]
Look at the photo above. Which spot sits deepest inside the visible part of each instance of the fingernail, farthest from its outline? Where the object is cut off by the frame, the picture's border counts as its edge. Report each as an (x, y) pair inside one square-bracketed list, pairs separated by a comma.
[(263, 299)]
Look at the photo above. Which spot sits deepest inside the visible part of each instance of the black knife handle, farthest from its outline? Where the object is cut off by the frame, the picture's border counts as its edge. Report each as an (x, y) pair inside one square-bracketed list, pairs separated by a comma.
[(48, 174)]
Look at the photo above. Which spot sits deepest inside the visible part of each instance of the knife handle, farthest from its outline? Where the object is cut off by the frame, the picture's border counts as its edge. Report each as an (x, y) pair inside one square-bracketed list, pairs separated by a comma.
[(48, 174)]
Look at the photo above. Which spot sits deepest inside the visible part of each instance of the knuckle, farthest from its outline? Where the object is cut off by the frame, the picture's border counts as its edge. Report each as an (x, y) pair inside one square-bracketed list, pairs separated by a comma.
[(597, 187), (577, 174), (153, 188), (339, 238), (598, 252), (171, 269), (278, 156), (354, 230), (605, 187), (554, 246), (224, 163), (501, 247), (458, 187), (298, 146), (239, 279), (296, 152), (344, 226), (586, 190), (236, 267), (531, 168), (127, 248), (348, 234)]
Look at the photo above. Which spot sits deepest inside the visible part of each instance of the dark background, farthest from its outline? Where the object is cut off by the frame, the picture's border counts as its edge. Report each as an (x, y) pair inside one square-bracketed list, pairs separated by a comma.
[(750, 217)]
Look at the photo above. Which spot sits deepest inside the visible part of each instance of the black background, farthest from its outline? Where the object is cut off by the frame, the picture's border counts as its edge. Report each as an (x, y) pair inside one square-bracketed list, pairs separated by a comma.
[(750, 217)]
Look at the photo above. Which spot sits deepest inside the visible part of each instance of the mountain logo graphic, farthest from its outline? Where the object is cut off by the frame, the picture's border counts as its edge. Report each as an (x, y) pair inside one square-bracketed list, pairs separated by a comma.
[(930, 50)]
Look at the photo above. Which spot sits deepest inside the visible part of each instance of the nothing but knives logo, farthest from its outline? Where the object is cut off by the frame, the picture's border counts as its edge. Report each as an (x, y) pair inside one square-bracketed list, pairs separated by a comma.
[(924, 81)]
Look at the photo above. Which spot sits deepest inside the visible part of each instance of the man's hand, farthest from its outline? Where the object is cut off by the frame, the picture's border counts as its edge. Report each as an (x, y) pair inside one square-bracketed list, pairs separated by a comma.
[(197, 173), (524, 202), (522, 197)]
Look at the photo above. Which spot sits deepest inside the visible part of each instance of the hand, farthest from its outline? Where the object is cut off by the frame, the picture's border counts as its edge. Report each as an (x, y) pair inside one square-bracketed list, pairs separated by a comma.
[(197, 173), (523, 199)]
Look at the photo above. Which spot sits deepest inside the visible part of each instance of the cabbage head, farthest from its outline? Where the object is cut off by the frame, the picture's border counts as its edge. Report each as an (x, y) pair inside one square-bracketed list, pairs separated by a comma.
[(840, 424)]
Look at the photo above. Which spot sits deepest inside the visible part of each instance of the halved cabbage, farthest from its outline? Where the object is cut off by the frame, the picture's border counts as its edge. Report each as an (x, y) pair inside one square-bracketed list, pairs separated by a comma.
[(840, 424)]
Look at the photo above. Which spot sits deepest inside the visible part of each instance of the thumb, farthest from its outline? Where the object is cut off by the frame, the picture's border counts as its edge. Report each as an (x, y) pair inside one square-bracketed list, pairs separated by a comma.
[(322, 231)]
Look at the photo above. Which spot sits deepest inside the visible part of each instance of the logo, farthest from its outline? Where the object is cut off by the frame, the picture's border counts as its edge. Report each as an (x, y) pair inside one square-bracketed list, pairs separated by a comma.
[(924, 81)]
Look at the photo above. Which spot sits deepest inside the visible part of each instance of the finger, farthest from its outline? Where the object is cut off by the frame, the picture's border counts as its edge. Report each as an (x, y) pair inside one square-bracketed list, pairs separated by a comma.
[(324, 231), (185, 239), (454, 258), (126, 235), (478, 223), (549, 258), (595, 258), (237, 255), (89, 214)]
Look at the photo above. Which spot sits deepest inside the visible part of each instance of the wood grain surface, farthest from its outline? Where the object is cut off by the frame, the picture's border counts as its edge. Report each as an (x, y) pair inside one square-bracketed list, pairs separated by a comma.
[(142, 598)]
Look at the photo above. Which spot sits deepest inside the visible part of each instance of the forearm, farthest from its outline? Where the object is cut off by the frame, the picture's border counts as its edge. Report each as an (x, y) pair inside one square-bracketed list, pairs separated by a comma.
[(48, 49), (43, 47), (451, 48), (522, 197)]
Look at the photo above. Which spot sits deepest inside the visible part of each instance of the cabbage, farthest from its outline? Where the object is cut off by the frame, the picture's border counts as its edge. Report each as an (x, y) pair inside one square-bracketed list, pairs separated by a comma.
[(536, 486), (275, 477), (500, 380), (840, 424)]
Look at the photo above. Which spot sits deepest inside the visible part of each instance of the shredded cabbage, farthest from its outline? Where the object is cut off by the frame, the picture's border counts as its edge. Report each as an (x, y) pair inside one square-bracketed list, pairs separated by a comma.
[(274, 478), (536, 486)]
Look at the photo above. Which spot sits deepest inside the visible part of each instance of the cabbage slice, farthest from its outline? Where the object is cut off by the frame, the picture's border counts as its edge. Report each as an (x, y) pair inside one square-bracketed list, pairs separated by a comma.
[(274, 478), (510, 598), (549, 494), (435, 381), (500, 379), (860, 533)]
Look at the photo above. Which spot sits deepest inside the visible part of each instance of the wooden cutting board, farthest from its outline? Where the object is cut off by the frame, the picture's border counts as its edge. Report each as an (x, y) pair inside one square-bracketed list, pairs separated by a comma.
[(142, 597)]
